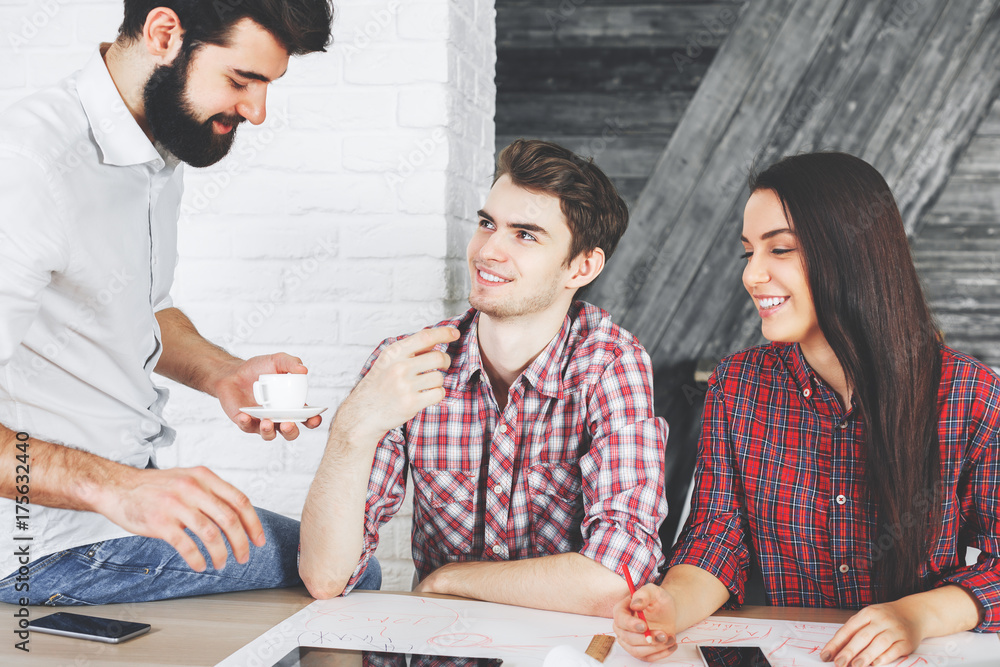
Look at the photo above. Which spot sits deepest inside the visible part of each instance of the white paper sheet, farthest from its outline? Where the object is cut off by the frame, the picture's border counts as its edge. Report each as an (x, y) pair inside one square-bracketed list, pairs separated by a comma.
[(523, 637)]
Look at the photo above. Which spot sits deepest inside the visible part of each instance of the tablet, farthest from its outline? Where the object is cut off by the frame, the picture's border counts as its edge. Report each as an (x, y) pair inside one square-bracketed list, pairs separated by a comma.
[(307, 656)]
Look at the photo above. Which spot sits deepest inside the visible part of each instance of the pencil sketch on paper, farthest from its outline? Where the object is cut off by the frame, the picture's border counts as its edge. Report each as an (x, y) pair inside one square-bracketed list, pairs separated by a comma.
[(391, 623)]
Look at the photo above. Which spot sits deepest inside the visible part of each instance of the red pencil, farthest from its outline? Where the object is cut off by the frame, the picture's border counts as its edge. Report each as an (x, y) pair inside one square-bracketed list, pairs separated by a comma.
[(642, 616)]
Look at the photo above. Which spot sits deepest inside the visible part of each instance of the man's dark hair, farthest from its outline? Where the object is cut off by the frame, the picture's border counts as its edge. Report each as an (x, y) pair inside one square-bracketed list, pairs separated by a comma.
[(301, 26), (596, 214)]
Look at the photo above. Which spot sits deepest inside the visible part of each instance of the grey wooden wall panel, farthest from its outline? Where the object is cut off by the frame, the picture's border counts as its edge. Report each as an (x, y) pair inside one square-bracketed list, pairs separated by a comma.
[(593, 24), (675, 282)]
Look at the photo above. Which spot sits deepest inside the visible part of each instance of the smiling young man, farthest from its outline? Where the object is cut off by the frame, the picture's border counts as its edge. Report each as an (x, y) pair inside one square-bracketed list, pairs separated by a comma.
[(527, 422), (90, 187)]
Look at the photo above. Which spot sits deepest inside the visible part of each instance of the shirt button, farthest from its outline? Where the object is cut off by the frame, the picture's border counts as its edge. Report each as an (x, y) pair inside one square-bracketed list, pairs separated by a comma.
[(841, 499), (498, 489), (503, 428), (844, 569), (807, 392), (497, 549), (843, 425)]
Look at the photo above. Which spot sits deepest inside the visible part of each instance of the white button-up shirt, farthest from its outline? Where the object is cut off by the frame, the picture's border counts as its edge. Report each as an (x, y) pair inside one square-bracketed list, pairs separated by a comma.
[(88, 245)]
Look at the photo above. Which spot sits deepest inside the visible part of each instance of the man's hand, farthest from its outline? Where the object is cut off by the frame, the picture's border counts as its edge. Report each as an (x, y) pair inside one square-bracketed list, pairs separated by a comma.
[(234, 389), (162, 503), (876, 635), (406, 378), (660, 610)]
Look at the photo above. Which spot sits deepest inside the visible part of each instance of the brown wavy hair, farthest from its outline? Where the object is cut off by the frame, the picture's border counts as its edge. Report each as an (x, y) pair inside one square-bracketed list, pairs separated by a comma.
[(596, 214)]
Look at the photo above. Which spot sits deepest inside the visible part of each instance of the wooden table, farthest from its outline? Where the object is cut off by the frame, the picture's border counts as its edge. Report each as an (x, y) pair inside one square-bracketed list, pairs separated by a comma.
[(204, 630)]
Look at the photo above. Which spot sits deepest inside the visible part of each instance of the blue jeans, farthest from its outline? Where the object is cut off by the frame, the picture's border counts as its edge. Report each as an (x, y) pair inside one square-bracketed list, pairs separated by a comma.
[(140, 569)]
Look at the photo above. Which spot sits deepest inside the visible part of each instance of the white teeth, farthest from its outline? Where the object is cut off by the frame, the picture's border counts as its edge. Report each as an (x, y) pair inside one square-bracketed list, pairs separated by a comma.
[(772, 302), (491, 278)]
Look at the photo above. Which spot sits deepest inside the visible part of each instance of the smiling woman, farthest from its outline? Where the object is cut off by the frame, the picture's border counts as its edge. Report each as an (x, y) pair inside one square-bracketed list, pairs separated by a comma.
[(855, 454)]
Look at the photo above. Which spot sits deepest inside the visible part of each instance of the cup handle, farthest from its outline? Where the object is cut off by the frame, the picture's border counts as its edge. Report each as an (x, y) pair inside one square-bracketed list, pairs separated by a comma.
[(257, 393)]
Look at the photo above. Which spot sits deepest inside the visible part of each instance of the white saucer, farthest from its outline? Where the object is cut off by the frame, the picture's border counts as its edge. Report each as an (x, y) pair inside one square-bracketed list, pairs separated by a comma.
[(284, 414)]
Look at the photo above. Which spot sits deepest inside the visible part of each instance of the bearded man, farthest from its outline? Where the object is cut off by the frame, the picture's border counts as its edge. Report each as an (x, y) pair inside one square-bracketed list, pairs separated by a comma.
[(90, 192)]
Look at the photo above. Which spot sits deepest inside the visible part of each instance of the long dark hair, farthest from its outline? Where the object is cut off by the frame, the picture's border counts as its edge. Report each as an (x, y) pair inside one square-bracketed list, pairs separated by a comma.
[(873, 313)]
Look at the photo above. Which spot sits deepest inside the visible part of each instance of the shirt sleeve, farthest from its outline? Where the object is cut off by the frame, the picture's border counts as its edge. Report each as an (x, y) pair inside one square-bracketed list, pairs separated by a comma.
[(32, 246), (624, 500), (386, 484), (715, 536), (980, 507)]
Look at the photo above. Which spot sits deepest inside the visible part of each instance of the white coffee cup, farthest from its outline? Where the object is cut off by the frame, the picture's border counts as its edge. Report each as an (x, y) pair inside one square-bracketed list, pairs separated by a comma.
[(282, 390)]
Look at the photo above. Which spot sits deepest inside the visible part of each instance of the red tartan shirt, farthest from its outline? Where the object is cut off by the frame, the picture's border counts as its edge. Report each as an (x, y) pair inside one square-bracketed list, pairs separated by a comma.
[(781, 467), (573, 463)]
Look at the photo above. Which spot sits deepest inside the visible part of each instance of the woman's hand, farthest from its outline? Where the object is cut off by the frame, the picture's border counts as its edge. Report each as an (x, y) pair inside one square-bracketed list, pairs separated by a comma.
[(660, 610), (877, 635)]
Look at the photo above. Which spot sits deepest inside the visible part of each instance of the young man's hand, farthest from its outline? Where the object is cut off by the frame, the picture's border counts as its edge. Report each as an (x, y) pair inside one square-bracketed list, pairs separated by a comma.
[(406, 378), (234, 389)]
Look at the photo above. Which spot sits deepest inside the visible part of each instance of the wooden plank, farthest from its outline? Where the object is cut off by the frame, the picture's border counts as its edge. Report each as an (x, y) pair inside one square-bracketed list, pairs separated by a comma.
[(991, 124), (967, 258), (969, 197), (618, 156), (707, 120), (691, 262), (981, 159), (941, 102), (675, 26), (590, 69), (590, 113), (940, 227), (981, 325)]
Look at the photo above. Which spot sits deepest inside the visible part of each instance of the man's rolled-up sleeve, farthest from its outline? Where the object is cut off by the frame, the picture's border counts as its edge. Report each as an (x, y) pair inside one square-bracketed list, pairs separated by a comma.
[(386, 484), (624, 500)]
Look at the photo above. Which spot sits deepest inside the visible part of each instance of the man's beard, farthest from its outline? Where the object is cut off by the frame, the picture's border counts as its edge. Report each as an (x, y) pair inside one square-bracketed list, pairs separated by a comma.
[(516, 307), (172, 120)]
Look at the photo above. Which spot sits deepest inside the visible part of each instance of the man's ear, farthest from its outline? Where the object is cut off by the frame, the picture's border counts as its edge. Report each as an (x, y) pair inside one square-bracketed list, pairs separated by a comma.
[(585, 267), (163, 35)]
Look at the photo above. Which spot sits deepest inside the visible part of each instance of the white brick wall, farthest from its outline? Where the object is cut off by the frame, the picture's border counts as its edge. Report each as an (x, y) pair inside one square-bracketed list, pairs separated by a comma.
[(340, 221)]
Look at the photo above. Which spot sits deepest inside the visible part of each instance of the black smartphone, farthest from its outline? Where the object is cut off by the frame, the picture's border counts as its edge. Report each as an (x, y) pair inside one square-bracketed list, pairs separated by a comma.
[(733, 656), (88, 627)]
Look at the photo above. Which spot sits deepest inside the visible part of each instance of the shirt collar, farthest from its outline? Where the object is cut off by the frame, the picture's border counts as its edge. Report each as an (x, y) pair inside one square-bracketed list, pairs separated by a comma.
[(118, 136), (797, 365), (544, 373), (821, 397)]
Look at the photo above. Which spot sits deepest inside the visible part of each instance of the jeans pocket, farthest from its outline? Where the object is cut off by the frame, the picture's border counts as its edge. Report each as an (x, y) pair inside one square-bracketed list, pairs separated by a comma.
[(60, 600)]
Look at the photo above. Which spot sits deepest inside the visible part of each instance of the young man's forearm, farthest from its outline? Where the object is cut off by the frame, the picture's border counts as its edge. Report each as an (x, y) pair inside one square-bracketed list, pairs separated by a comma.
[(333, 519), (698, 594), (567, 582), (187, 356)]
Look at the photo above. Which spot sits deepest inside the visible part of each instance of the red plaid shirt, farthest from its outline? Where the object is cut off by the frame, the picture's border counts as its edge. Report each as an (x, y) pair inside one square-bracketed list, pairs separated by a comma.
[(574, 463), (781, 464)]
